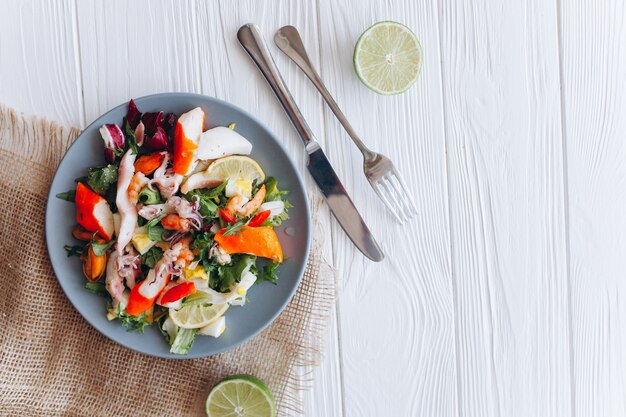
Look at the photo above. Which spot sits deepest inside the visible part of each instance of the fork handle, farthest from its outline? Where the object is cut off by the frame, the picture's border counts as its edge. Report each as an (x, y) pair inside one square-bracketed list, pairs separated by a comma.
[(252, 41), (289, 41)]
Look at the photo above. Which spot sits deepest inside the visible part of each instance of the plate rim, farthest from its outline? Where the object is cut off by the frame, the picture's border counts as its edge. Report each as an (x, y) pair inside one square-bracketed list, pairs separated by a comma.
[(306, 214)]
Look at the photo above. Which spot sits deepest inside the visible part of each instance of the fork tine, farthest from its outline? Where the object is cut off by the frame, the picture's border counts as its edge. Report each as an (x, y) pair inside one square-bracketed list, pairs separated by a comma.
[(394, 179), (377, 186), (401, 197), (412, 204), (391, 195)]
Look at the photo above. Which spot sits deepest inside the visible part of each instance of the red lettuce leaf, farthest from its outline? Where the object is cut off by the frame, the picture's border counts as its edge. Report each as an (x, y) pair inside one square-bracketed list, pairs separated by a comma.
[(158, 141), (133, 115)]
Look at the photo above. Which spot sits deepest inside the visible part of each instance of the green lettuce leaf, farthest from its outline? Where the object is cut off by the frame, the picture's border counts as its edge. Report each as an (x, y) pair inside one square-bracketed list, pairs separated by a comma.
[(67, 196), (147, 196), (151, 257), (183, 341), (268, 272), (97, 287), (228, 275), (101, 179), (209, 199), (100, 249), (74, 250)]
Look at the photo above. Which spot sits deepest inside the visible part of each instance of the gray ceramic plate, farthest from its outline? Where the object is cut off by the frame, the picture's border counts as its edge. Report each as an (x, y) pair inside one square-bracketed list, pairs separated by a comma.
[(266, 300)]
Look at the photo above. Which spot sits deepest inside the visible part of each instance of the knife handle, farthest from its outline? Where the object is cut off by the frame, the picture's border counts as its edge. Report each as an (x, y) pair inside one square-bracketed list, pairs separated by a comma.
[(252, 41)]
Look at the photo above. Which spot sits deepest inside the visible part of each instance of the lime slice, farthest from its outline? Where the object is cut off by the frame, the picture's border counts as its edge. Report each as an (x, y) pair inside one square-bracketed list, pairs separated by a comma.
[(240, 396), (194, 316), (388, 58)]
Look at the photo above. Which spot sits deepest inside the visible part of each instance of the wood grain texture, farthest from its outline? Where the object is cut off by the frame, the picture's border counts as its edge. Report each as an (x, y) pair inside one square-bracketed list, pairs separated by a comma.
[(396, 317), (229, 74), (594, 94), (135, 48), (138, 48), (505, 164), (468, 315), (38, 59)]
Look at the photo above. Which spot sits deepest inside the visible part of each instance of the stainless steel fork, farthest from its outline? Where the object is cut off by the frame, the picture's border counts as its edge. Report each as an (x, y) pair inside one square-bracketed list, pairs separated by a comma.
[(379, 170)]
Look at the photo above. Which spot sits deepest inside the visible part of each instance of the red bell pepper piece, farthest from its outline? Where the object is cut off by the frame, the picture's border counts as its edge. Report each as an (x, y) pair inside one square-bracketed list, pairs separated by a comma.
[(259, 218), (227, 216)]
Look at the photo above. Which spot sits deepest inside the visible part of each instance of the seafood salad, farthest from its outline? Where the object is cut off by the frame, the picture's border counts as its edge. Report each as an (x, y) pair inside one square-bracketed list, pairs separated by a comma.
[(176, 225)]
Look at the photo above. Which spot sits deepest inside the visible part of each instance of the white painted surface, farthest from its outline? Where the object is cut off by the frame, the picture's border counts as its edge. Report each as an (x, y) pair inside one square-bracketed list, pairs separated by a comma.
[(503, 298)]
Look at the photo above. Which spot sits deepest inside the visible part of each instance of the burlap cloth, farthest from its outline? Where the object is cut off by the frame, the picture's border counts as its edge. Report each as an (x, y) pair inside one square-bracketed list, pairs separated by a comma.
[(53, 363)]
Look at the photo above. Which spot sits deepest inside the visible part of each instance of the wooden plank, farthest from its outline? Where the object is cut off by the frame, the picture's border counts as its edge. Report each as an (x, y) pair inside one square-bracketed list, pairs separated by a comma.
[(142, 47), (229, 74), (39, 71), (131, 49), (505, 164), (396, 317), (594, 94)]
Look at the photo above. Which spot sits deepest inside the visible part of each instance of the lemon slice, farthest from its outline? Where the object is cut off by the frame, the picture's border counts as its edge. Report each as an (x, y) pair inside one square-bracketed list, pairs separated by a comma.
[(236, 167), (195, 316), (240, 395), (388, 58), (240, 171)]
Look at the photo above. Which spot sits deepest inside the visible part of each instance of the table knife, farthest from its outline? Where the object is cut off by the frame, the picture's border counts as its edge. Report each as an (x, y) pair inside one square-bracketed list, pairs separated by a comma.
[(322, 172)]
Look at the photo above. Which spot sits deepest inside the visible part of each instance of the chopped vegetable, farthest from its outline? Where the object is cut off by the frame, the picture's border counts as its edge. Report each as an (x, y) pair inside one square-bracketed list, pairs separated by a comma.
[(75, 250), (183, 341), (133, 114), (97, 288), (268, 272), (259, 218), (101, 179), (231, 274), (152, 256), (148, 196), (130, 322), (147, 164), (101, 248), (227, 216), (67, 196), (259, 241), (129, 135), (113, 142)]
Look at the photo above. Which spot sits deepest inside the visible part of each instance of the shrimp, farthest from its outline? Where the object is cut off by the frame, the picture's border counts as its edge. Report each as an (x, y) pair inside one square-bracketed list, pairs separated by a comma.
[(137, 182), (177, 223), (185, 255), (237, 204), (177, 257)]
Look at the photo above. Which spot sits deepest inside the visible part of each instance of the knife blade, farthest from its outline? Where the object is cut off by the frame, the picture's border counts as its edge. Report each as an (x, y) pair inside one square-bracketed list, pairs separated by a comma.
[(320, 168)]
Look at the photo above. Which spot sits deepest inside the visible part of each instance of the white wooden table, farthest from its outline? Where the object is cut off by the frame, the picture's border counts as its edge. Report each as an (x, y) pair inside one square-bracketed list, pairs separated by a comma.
[(505, 297)]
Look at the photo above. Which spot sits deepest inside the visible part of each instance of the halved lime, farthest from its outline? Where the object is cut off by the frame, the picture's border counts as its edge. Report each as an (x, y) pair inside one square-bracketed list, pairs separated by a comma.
[(388, 58), (240, 396)]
